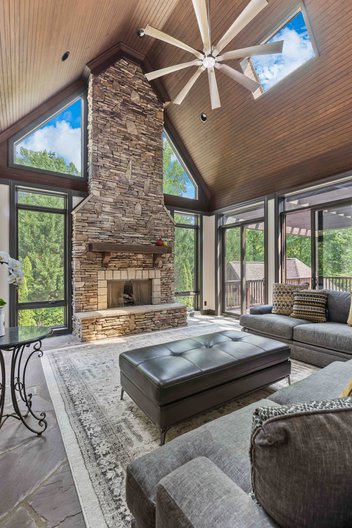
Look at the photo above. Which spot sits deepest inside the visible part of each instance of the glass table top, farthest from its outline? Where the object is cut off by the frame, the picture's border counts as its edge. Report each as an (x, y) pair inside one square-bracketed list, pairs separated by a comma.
[(16, 335)]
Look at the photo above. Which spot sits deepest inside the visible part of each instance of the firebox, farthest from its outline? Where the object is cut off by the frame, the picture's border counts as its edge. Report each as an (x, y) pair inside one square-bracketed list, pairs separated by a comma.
[(129, 292)]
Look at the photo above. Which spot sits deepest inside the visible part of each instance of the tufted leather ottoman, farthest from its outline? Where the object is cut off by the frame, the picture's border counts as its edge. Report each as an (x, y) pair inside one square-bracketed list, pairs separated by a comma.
[(173, 381)]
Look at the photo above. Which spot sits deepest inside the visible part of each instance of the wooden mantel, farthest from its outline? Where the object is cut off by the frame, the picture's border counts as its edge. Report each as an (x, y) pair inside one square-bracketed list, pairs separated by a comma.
[(107, 248)]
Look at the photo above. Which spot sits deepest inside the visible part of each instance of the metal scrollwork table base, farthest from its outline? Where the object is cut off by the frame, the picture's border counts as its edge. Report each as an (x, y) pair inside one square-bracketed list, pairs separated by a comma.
[(23, 343)]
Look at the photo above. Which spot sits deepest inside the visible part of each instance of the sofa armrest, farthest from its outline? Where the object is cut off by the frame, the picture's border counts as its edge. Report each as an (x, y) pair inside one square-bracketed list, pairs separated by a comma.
[(198, 494), (261, 310)]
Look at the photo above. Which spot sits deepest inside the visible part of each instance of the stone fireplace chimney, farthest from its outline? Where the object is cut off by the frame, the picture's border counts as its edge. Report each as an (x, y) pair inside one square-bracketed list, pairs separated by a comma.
[(125, 207)]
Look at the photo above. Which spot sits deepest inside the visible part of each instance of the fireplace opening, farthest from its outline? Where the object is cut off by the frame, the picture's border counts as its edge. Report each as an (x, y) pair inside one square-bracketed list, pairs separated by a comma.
[(129, 293)]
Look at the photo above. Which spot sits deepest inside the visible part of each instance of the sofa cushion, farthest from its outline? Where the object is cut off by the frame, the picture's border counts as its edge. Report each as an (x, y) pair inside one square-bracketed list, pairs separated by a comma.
[(333, 336), (310, 305), (216, 500), (338, 306), (283, 297), (280, 326), (303, 455), (224, 441), (326, 383)]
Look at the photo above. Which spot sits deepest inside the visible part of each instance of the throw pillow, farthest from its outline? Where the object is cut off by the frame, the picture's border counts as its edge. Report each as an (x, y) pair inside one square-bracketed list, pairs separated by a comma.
[(349, 320), (347, 391), (283, 297), (301, 458), (310, 305)]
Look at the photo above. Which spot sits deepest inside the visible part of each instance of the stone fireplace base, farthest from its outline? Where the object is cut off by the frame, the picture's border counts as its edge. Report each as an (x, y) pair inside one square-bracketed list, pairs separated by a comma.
[(115, 322)]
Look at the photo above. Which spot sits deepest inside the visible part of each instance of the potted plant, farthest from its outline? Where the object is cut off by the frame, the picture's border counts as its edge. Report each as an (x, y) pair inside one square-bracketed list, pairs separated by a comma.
[(15, 278)]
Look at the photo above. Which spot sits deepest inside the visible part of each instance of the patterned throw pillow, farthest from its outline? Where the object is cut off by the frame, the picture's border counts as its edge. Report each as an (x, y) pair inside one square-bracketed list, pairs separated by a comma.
[(347, 391), (310, 305), (349, 320), (302, 454), (283, 297)]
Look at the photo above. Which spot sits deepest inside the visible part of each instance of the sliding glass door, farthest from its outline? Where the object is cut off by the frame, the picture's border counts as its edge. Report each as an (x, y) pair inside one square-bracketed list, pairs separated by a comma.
[(333, 236), (41, 220), (318, 247), (243, 267)]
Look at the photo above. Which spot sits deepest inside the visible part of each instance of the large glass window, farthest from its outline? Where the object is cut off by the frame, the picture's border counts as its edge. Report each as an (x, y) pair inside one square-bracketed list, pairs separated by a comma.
[(318, 237), (297, 50), (177, 180), (54, 145), (187, 259), (42, 249)]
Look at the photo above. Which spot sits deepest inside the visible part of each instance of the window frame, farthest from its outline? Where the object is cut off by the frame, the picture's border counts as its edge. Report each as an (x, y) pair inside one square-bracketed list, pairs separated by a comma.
[(185, 167), (197, 228), (313, 210), (282, 23), (36, 125), (66, 211)]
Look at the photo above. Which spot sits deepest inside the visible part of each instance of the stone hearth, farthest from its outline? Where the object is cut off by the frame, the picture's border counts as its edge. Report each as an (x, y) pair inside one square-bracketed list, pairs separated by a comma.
[(114, 322), (125, 207)]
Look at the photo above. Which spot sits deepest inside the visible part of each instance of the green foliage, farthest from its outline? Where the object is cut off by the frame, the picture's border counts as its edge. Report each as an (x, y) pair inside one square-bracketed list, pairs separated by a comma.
[(2, 302), (254, 245), (41, 249), (175, 178), (47, 161), (185, 263)]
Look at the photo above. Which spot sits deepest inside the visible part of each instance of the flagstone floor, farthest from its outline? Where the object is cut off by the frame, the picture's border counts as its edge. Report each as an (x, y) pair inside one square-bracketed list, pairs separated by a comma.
[(36, 484)]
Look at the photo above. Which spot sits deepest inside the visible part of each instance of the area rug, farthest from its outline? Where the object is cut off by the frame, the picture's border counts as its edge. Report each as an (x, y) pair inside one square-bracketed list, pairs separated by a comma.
[(101, 433)]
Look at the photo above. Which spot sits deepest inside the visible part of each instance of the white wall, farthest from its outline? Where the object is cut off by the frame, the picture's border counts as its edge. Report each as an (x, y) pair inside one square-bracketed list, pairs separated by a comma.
[(209, 262), (4, 241), (271, 248)]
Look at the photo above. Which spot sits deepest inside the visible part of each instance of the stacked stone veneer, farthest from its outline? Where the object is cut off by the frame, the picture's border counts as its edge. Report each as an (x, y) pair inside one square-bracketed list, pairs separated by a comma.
[(126, 203)]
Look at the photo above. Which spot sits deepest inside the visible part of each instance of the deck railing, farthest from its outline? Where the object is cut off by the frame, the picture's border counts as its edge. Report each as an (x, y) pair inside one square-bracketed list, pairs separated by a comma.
[(255, 289)]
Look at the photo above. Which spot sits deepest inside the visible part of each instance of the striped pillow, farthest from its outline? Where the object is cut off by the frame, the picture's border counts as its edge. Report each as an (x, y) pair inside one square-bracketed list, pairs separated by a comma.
[(283, 297), (310, 305)]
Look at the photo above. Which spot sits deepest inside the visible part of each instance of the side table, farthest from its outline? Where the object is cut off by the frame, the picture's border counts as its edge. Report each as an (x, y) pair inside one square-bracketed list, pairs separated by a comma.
[(23, 343)]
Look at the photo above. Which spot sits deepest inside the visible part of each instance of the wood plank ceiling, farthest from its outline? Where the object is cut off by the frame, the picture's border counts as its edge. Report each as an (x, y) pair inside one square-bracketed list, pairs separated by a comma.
[(298, 132)]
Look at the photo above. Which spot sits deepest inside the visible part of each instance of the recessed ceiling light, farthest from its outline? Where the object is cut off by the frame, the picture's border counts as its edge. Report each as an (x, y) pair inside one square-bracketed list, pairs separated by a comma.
[(65, 56), (203, 117)]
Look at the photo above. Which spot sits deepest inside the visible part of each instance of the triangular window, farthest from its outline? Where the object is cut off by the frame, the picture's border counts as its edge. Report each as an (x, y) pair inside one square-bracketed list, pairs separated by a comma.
[(176, 177), (53, 145)]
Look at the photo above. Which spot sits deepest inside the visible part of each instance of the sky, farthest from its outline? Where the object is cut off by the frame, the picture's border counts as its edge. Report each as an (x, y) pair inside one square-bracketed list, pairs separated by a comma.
[(297, 50), (190, 188), (61, 134)]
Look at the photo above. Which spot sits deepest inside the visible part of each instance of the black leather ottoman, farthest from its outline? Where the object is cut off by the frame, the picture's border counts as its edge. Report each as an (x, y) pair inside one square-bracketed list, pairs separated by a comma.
[(173, 381)]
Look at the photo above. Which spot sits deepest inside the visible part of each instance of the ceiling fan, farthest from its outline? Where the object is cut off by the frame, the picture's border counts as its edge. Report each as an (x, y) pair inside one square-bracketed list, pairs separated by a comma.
[(211, 57)]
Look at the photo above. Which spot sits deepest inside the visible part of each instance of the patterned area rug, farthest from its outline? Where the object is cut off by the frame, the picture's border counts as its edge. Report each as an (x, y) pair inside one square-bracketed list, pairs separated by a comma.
[(101, 433)]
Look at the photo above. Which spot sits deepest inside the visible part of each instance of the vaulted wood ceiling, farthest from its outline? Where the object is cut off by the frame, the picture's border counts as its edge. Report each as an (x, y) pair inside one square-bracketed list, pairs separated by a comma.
[(298, 132)]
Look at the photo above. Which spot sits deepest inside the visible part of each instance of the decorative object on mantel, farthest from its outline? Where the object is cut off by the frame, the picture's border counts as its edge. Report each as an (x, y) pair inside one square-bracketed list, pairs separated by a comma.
[(211, 58), (107, 248), (15, 277)]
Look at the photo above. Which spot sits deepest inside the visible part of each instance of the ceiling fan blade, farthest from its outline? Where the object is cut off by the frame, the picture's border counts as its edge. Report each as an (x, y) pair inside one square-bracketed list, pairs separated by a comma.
[(200, 10), (180, 97), (239, 77), (160, 35), (264, 49), (213, 88), (253, 8), (170, 69)]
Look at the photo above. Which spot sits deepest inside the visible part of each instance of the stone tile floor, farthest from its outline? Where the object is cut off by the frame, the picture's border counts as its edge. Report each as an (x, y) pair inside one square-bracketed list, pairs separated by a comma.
[(36, 485)]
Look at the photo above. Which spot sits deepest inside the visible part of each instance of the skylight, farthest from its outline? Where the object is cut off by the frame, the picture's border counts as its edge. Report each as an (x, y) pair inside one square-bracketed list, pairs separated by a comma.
[(176, 179), (298, 49), (54, 145)]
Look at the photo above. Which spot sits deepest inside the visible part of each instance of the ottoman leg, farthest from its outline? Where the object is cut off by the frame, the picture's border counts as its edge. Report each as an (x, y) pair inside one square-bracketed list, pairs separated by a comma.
[(162, 436), (289, 379), (122, 393)]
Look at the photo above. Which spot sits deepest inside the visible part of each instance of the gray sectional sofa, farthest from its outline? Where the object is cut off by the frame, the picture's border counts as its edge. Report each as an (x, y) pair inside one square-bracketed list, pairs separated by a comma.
[(202, 479), (315, 343)]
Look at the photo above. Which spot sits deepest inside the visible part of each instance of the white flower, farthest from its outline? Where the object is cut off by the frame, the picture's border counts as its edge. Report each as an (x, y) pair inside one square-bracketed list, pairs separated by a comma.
[(16, 275)]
